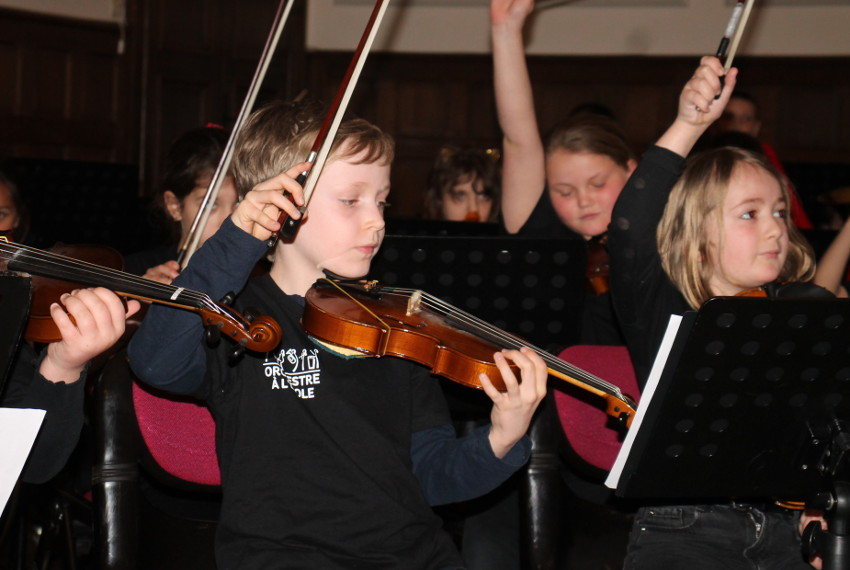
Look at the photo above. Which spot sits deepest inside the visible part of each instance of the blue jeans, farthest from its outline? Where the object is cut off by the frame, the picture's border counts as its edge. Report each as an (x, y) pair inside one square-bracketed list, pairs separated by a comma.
[(711, 537)]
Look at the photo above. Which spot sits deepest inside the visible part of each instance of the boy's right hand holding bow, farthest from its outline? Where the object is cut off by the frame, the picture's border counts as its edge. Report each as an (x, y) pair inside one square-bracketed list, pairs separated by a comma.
[(258, 212)]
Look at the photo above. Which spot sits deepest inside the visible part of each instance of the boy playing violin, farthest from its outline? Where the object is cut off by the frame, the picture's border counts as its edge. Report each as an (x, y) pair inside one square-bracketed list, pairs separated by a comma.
[(326, 461)]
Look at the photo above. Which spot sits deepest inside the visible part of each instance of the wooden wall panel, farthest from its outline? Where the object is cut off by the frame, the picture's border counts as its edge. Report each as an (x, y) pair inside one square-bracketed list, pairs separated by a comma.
[(202, 59), (428, 101), (70, 94), (67, 92)]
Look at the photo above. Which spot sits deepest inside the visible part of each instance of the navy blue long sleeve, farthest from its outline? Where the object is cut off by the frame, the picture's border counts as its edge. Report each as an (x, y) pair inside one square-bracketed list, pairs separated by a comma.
[(166, 351), (468, 463)]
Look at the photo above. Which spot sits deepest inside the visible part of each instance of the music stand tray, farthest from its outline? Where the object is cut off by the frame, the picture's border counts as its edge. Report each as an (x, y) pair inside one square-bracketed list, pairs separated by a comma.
[(750, 399)]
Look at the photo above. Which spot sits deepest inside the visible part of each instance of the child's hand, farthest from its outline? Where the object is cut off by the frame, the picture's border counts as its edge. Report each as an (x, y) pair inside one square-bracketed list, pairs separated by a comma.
[(510, 13), (806, 517), (98, 322), (514, 408), (165, 273), (698, 107), (697, 103), (259, 211)]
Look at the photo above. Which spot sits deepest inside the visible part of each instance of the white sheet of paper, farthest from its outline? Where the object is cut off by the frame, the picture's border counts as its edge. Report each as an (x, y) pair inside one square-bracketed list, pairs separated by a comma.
[(18, 429), (645, 398)]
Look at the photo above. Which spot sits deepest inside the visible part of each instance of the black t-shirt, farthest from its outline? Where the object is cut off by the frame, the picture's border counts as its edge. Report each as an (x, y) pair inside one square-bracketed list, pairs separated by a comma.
[(63, 421), (309, 442), (643, 295)]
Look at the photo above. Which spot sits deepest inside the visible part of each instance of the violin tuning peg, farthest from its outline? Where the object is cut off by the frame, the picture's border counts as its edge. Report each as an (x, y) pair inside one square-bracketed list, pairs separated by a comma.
[(213, 334), (228, 299), (250, 313), (238, 351)]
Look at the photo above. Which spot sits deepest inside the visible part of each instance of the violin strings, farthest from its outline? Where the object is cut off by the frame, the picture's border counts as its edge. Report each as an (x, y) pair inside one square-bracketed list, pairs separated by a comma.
[(74, 268), (507, 340)]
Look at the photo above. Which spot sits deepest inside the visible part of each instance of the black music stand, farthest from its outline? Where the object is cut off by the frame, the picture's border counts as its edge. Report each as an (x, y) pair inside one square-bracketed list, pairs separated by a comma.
[(15, 296), (533, 288), (422, 227), (753, 403)]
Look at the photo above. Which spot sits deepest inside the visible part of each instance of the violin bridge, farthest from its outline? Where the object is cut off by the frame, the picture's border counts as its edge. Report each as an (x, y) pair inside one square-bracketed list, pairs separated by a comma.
[(414, 304)]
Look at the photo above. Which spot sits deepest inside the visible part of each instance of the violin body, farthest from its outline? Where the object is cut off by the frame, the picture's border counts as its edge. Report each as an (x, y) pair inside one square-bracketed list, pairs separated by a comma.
[(46, 291), (390, 325), (597, 269), (383, 321)]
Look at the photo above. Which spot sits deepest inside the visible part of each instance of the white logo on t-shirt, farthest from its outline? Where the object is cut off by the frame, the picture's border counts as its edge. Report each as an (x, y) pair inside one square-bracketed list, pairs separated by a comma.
[(298, 371)]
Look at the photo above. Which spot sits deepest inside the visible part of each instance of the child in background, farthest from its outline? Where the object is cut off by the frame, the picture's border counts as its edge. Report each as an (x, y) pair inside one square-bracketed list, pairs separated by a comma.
[(54, 379), (721, 229), (14, 215), (569, 186), (188, 169), (327, 462), (463, 186)]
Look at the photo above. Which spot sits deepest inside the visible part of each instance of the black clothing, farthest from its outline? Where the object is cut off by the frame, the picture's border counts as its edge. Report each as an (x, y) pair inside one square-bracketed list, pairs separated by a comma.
[(326, 462), (643, 296), (678, 536), (138, 263), (60, 430)]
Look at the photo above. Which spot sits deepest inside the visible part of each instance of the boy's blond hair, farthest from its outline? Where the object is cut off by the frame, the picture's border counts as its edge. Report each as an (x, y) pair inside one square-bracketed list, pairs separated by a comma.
[(682, 237), (281, 134)]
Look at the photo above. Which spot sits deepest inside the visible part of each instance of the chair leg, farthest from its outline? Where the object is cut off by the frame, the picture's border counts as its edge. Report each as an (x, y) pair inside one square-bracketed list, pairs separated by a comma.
[(541, 495), (12, 533), (59, 523)]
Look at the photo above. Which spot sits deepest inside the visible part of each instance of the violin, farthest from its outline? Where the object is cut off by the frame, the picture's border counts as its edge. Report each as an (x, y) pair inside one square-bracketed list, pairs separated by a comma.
[(46, 291), (597, 269), (376, 321), (260, 334), (791, 289)]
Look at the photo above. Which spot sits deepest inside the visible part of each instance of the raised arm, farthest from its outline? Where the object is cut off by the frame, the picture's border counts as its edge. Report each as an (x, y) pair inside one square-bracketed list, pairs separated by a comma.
[(523, 166), (833, 263), (698, 107)]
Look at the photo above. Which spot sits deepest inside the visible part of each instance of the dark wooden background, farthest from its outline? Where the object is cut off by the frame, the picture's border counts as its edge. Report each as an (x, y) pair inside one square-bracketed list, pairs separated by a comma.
[(69, 93)]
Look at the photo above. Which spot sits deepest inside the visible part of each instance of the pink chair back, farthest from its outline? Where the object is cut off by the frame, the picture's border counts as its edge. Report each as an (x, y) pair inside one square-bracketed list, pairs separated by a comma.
[(587, 427), (179, 434)]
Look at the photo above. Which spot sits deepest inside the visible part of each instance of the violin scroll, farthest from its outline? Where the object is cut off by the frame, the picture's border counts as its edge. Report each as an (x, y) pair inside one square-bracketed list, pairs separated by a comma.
[(261, 334), (265, 333)]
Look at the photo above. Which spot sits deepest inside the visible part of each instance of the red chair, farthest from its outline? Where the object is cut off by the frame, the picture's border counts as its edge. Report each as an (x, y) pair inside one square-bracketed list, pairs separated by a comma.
[(590, 432), (179, 435), (574, 444), (155, 479)]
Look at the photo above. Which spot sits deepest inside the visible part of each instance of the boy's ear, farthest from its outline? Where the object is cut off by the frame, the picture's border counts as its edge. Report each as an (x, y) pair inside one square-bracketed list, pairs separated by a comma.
[(173, 205)]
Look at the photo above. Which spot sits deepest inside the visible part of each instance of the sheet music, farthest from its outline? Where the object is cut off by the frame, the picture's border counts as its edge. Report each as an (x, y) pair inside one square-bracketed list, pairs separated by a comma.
[(645, 398), (18, 429)]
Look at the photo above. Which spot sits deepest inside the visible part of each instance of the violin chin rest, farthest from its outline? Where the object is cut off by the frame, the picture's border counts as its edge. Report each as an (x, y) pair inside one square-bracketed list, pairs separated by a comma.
[(341, 351)]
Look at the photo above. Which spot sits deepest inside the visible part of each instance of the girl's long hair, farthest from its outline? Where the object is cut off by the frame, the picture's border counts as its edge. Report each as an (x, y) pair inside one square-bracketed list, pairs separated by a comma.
[(681, 235)]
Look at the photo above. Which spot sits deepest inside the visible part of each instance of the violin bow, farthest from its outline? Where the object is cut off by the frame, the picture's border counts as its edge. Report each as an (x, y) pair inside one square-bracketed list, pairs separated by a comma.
[(734, 30), (327, 132), (193, 238)]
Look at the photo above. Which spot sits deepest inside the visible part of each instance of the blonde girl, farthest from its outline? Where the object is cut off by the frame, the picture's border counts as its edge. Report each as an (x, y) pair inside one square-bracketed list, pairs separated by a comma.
[(676, 239)]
